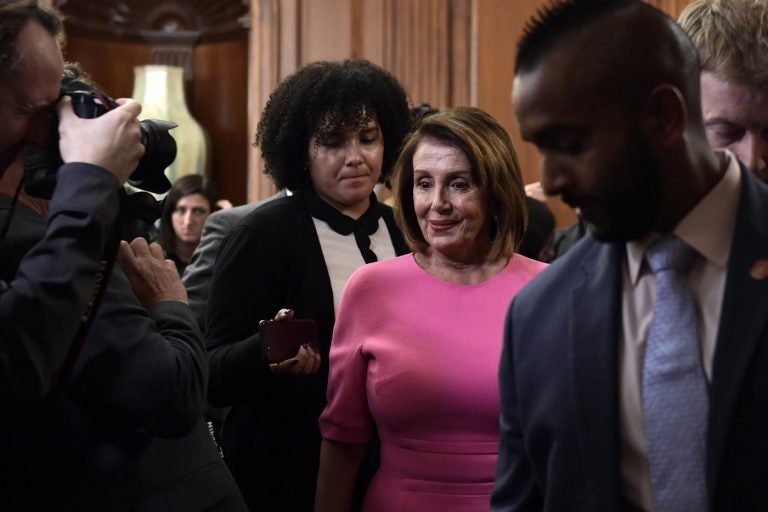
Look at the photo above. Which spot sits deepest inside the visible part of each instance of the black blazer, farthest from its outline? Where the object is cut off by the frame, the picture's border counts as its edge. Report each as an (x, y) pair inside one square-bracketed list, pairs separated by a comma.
[(127, 433), (560, 439), (272, 259), (54, 280)]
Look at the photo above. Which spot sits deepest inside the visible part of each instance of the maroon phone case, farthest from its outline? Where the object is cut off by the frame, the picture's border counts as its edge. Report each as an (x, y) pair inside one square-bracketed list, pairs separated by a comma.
[(282, 339)]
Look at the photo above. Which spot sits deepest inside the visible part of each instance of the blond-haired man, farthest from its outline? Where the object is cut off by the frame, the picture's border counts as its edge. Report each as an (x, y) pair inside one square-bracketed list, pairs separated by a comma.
[(731, 37)]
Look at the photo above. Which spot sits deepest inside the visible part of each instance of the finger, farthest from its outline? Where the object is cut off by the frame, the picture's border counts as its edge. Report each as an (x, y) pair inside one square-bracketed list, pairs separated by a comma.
[(313, 359), (64, 108), (284, 366), (317, 361), (306, 361), (124, 255), (301, 360), (157, 251), (284, 314), (301, 367), (172, 266), (140, 247), (131, 106)]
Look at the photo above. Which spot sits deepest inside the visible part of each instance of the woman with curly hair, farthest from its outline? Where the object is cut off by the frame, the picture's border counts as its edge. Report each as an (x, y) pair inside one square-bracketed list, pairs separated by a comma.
[(328, 133)]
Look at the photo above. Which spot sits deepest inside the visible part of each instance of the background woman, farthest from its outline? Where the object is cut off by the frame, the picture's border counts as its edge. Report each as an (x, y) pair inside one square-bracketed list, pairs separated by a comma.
[(188, 203), (417, 342), (328, 133)]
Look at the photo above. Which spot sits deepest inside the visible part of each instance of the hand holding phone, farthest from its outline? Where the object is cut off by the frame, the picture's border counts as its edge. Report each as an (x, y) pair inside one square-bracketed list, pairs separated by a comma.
[(281, 339)]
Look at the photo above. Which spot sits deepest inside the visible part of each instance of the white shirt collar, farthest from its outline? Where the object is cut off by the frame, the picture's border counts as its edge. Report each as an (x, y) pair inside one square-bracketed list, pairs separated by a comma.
[(706, 226)]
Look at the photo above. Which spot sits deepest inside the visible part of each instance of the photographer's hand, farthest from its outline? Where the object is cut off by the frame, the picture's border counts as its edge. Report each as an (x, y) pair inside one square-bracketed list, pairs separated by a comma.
[(111, 141), (153, 278)]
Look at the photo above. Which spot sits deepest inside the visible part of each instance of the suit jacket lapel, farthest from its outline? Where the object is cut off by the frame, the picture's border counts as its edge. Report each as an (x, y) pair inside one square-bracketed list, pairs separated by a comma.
[(743, 317), (594, 332)]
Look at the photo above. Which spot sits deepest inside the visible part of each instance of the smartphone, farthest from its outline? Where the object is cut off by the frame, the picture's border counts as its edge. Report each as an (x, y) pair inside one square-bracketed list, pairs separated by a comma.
[(282, 339)]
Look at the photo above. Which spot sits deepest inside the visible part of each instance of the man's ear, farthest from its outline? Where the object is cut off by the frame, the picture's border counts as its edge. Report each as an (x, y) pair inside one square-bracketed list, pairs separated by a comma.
[(664, 117)]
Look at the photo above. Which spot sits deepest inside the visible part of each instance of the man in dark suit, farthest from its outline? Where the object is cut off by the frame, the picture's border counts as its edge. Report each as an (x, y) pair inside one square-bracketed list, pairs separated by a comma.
[(608, 91)]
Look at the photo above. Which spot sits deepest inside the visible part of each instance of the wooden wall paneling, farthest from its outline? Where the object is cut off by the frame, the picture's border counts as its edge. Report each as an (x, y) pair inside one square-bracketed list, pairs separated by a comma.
[(463, 44), (671, 7), (110, 63), (427, 47), (373, 36), (326, 30), (356, 29), (264, 66), (290, 49), (498, 27), (219, 104)]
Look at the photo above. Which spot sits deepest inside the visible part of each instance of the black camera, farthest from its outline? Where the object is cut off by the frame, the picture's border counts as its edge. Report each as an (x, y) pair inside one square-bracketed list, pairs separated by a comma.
[(42, 163)]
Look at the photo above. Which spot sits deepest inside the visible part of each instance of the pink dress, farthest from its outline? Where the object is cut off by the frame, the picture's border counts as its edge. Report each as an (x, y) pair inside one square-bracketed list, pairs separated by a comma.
[(419, 357)]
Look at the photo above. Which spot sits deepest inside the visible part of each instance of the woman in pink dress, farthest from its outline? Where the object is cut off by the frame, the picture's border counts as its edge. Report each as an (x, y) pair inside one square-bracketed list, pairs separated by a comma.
[(417, 339)]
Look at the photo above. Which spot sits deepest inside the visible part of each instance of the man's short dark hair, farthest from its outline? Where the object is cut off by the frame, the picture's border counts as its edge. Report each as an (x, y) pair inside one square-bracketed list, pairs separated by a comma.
[(653, 48), (555, 21), (14, 15)]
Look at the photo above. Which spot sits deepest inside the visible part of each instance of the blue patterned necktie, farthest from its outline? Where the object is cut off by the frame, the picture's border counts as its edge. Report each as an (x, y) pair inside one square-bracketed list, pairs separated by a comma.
[(675, 393)]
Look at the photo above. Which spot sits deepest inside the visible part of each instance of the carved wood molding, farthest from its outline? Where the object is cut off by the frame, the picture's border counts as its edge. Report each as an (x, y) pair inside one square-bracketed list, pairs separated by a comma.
[(131, 20), (171, 28)]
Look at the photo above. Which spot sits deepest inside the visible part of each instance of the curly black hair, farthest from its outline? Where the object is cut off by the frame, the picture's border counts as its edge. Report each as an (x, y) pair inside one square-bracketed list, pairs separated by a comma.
[(322, 98)]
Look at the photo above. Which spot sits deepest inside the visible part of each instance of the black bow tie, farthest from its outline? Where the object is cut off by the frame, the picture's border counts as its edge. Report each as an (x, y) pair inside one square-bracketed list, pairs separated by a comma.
[(362, 228)]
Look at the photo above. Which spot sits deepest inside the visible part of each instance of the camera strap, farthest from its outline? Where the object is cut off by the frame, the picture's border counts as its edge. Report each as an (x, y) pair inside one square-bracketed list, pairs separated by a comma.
[(106, 265), (11, 211)]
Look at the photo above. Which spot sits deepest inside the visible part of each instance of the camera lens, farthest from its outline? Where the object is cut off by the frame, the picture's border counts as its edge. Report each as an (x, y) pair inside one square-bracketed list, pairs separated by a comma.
[(159, 153)]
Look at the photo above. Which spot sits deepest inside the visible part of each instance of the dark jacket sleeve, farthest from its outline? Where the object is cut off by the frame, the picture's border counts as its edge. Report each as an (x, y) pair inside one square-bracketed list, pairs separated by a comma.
[(43, 297), (515, 489), (197, 275), (144, 370), (243, 292)]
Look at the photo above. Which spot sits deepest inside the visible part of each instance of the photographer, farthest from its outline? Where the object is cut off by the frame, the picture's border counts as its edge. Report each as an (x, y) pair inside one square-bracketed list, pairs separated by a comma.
[(120, 427), (55, 279)]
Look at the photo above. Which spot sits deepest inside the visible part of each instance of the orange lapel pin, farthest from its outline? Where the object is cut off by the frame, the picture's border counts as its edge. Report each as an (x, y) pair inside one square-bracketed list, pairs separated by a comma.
[(759, 270)]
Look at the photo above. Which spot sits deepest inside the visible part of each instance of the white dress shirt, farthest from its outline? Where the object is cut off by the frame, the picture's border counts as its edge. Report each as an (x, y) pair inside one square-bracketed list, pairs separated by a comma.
[(708, 228)]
